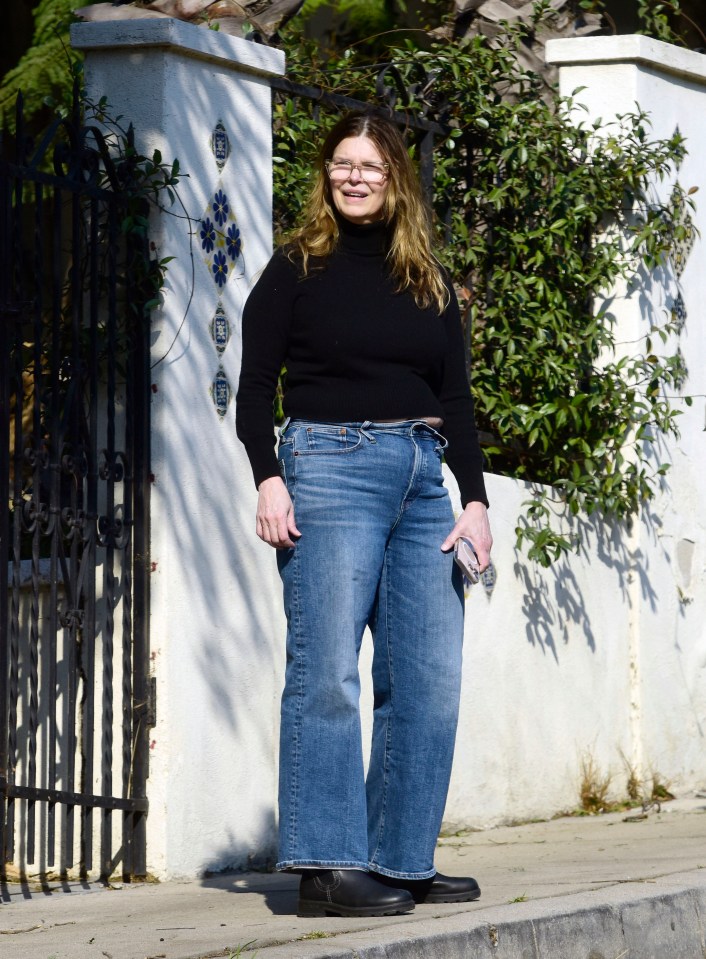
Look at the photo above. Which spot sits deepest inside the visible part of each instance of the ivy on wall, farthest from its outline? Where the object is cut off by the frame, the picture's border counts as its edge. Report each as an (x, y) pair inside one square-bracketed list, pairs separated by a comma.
[(44, 72), (538, 218)]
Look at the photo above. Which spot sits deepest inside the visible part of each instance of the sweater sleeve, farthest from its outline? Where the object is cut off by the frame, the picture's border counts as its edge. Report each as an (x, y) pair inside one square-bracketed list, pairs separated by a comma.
[(266, 325), (464, 455)]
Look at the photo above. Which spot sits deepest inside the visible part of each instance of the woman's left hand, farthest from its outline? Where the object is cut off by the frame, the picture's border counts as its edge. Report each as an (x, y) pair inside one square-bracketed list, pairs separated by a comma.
[(473, 523)]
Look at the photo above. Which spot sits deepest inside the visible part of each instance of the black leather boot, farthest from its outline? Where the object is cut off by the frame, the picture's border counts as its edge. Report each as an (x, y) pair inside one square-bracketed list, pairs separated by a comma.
[(349, 892), (437, 889)]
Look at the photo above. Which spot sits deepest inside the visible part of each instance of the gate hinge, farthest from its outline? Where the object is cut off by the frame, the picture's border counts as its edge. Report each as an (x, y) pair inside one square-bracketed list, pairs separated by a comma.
[(146, 711), (151, 704)]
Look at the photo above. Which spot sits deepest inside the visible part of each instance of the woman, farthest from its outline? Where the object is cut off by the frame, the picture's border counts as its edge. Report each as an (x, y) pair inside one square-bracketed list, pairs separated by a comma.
[(360, 312)]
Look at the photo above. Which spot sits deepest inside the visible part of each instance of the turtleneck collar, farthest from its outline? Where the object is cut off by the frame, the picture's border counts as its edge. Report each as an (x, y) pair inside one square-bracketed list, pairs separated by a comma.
[(364, 239)]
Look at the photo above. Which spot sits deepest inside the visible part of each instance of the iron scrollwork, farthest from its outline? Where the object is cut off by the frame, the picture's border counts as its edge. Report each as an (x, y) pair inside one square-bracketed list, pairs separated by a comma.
[(415, 91), (74, 351)]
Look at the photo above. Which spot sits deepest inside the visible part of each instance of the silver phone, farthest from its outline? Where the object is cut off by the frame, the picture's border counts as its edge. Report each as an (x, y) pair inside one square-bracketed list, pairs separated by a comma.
[(467, 559)]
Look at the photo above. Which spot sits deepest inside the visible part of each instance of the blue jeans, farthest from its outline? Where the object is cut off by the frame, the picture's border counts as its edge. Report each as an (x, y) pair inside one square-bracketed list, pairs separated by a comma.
[(372, 509)]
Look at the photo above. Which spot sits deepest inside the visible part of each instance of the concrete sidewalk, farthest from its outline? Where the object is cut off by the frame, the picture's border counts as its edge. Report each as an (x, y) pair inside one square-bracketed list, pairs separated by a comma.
[(608, 887)]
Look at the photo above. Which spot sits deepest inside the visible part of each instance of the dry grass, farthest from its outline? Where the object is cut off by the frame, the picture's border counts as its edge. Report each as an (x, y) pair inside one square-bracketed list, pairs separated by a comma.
[(593, 786), (634, 783), (660, 791)]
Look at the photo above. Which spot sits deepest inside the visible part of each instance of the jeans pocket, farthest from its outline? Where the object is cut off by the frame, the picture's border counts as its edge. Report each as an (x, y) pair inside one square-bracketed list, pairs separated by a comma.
[(326, 439), (285, 434), (285, 461)]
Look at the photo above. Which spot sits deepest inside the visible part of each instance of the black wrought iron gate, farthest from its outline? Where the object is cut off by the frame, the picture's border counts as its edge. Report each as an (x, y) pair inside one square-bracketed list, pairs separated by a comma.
[(75, 704)]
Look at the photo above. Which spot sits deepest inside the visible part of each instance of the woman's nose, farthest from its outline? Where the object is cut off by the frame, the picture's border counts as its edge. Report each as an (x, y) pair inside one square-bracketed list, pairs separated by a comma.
[(355, 173)]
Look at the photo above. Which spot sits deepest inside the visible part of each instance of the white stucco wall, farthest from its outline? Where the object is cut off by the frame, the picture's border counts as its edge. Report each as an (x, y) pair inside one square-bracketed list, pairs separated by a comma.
[(604, 654), (215, 629), (547, 674), (670, 627), (598, 654)]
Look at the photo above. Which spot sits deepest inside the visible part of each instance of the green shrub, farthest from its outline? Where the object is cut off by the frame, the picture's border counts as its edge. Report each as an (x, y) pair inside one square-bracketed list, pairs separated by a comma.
[(538, 218)]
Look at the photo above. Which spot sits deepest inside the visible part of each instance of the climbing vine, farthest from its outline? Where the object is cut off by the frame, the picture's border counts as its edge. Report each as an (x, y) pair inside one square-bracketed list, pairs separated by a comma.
[(538, 217)]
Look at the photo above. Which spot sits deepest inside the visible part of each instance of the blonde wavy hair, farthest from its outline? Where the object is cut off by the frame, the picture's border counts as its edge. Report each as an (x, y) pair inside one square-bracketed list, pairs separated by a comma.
[(411, 259)]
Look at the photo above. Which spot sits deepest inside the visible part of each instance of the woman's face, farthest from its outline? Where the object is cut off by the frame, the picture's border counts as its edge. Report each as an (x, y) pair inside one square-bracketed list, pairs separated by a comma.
[(357, 188)]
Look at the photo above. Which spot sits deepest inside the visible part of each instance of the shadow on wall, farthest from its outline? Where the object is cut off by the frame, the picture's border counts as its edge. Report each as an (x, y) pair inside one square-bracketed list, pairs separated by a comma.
[(217, 541), (236, 855), (558, 599), (215, 583)]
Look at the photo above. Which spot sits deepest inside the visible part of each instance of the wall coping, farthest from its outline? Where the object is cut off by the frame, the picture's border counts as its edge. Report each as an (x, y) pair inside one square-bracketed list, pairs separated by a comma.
[(631, 48), (197, 42)]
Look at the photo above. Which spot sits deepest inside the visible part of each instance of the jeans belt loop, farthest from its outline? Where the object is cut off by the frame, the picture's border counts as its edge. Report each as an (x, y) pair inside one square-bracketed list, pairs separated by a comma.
[(440, 438), (366, 434)]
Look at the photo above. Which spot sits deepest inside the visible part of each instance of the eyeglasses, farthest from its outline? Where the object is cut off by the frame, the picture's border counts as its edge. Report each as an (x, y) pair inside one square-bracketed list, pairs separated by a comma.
[(339, 170)]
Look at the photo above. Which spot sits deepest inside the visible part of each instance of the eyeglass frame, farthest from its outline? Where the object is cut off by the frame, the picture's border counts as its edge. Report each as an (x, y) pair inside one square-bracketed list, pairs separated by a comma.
[(359, 168)]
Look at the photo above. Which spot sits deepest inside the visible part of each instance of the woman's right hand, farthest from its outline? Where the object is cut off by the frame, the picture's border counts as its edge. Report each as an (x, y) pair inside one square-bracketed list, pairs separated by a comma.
[(275, 514)]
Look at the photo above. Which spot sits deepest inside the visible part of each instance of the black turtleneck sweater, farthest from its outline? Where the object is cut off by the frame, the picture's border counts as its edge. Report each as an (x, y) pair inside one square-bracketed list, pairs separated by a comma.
[(354, 350)]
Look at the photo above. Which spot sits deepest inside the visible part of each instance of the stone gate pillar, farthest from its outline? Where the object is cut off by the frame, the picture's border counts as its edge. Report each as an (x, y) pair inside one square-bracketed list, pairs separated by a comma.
[(215, 631), (667, 599)]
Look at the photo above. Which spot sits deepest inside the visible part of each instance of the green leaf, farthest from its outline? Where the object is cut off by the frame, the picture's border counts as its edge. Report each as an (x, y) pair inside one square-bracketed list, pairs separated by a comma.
[(542, 226)]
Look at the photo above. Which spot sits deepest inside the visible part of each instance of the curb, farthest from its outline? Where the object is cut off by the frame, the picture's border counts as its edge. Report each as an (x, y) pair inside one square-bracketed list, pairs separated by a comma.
[(620, 922)]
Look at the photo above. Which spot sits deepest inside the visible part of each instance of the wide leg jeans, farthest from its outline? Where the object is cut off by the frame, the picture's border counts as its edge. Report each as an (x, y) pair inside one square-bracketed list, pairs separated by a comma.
[(372, 509)]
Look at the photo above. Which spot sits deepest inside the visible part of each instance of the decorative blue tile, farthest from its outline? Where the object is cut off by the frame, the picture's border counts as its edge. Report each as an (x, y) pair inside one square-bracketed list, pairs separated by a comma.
[(221, 392), (679, 312), (220, 145), (684, 244), (221, 243), (680, 371), (682, 149), (220, 329), (488, 578)]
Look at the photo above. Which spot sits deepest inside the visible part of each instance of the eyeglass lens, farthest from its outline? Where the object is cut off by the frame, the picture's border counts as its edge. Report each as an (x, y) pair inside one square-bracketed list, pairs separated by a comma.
[(342, 169)]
